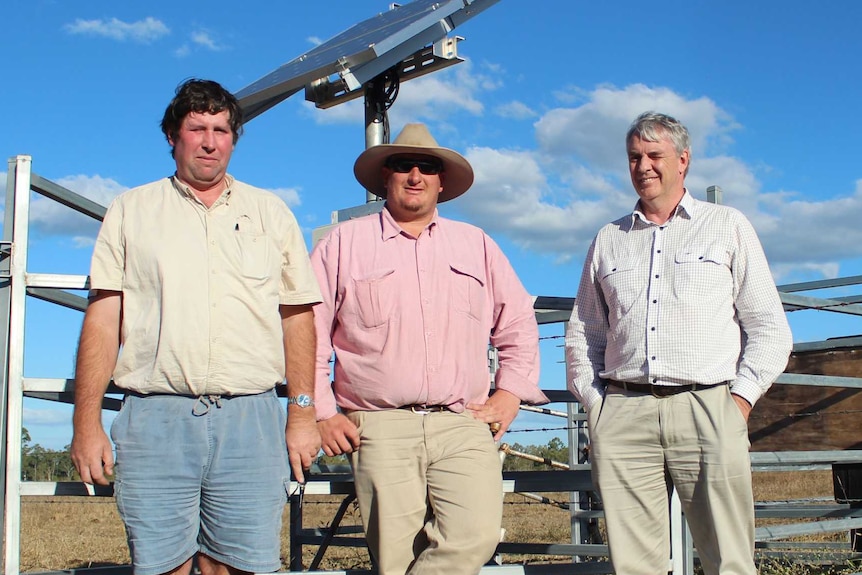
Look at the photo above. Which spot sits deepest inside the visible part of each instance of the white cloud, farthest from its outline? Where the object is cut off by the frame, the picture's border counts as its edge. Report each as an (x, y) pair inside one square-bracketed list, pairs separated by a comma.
[(595, 130), (144, 31), (51, 218), (512, 194), (45, 417), (199, 39), (205, 40), (554, 199), (314, 40), (48, 217), (289, 195), (515, 110)]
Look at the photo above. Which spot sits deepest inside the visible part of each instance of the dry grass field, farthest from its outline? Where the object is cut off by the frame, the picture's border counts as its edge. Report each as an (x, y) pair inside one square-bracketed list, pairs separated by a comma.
[(65, 532)]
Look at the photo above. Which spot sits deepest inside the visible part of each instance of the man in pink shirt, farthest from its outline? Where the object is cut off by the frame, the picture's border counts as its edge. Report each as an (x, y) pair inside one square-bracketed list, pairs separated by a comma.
[(410, 303)]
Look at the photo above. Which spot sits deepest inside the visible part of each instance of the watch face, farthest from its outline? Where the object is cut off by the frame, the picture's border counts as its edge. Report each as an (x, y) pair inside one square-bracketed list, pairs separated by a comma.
[(302, 400)]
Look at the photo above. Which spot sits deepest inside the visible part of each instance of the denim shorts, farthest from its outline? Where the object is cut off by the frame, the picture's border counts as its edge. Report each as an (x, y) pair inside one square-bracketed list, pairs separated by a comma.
[(206, 475)]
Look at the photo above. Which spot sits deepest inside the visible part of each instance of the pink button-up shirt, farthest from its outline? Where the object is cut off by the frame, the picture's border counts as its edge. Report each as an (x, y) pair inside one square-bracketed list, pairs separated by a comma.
[(410, 319)]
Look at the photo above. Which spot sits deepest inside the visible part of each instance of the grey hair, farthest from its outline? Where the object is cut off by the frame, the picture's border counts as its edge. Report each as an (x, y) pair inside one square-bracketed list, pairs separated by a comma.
[(653, 127)]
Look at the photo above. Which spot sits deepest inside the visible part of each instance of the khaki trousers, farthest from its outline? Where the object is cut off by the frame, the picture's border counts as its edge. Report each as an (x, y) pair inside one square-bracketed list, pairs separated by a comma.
[(430, 491), (696, 441)]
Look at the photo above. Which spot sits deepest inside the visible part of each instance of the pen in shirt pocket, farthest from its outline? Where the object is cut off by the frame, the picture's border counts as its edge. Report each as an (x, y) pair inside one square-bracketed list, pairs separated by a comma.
[(245, 221)]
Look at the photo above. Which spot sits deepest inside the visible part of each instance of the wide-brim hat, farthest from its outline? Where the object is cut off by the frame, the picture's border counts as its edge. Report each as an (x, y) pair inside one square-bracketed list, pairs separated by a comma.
[(414, 139)]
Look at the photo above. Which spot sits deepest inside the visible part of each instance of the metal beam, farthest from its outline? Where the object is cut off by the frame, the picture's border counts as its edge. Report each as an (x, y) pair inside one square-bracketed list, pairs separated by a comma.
[(819, 380), (805, 302), (821, 284), (59, 297), (67, 197)]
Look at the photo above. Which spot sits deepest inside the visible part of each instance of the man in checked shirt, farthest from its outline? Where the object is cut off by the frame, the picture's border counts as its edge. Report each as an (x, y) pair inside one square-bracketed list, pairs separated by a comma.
[(677, 331)]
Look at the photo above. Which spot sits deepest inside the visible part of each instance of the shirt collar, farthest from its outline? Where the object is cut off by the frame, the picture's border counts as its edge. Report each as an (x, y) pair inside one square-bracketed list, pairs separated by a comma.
[(685, 209), (184, 190), (391, 229)]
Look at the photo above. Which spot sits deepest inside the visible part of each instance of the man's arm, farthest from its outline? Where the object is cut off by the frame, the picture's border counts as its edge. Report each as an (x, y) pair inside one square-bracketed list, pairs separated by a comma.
[(515, 335), (337, 433), (768, 340), (586, 337), (97, 357), (303, 439)]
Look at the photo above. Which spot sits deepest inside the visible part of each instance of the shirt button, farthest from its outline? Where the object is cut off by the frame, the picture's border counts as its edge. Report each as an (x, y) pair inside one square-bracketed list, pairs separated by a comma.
[(651, 329), (656, 276)]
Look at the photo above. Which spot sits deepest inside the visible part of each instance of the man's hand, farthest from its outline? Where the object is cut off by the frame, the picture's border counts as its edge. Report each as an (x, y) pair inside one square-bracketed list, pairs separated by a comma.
[(303, 443), (339, 435), (743, 405), (501, 408), (97, 356), (92, 455)]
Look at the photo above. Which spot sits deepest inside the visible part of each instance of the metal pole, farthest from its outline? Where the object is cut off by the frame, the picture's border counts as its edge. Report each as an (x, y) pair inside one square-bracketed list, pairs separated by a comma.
[(380, 93), (714, 194), (5, 300), (19, 171), (579, 439)]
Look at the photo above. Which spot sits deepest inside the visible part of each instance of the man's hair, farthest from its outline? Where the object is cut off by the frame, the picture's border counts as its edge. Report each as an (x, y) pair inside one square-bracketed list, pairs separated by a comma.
[(202, 97), (653, 127)]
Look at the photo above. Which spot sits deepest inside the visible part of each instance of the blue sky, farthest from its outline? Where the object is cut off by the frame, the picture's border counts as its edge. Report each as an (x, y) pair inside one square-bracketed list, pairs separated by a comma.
[(769, 91)]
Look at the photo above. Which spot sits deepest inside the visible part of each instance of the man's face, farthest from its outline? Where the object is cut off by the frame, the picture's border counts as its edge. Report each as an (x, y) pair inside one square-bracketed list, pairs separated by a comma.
[(411, 192), (657, 169), (202, 149)]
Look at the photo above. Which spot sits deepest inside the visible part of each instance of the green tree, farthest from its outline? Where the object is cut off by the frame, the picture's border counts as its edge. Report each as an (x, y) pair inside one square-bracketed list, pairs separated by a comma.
[(40, 464)]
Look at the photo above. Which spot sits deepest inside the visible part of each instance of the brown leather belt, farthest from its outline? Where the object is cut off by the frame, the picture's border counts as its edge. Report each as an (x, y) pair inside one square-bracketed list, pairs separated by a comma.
[(662, 390), (425, 409)]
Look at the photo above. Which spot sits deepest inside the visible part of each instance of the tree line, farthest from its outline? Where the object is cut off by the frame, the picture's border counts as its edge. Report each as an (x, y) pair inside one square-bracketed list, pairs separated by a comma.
[(41, 464)]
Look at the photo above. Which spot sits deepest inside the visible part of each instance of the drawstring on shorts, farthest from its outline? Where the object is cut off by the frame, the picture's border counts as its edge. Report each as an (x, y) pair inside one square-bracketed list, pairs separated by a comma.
[(204, 403)]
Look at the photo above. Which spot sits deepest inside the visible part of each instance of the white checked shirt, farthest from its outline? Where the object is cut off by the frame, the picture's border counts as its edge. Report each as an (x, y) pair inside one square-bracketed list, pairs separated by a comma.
[(688, 301)]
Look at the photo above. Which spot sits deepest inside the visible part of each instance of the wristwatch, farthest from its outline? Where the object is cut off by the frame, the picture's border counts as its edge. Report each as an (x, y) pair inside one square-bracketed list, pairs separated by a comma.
[(301, 400)]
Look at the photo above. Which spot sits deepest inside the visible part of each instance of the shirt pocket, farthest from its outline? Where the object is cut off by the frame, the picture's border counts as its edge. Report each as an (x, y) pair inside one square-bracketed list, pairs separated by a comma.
[(468, 294), (256, 259), (374, 293), (620, 283), (701, 270)]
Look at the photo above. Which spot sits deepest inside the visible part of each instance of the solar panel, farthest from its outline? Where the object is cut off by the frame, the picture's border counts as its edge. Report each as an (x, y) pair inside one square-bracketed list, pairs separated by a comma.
[(362, 51)]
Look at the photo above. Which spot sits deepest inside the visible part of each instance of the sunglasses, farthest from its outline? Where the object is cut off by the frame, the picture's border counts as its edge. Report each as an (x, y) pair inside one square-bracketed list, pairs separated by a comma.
[(405, 165)]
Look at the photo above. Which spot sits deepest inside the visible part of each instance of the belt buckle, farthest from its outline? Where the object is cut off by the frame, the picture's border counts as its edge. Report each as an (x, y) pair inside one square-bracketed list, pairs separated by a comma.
[(417, 409)]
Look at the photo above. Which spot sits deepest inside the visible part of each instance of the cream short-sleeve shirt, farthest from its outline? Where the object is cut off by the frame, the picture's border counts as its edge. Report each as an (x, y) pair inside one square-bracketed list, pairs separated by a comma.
[(201, 287)]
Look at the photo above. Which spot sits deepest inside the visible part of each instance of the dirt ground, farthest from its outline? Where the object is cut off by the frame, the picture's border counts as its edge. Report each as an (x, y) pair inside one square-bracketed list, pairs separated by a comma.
[(72, 532)]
